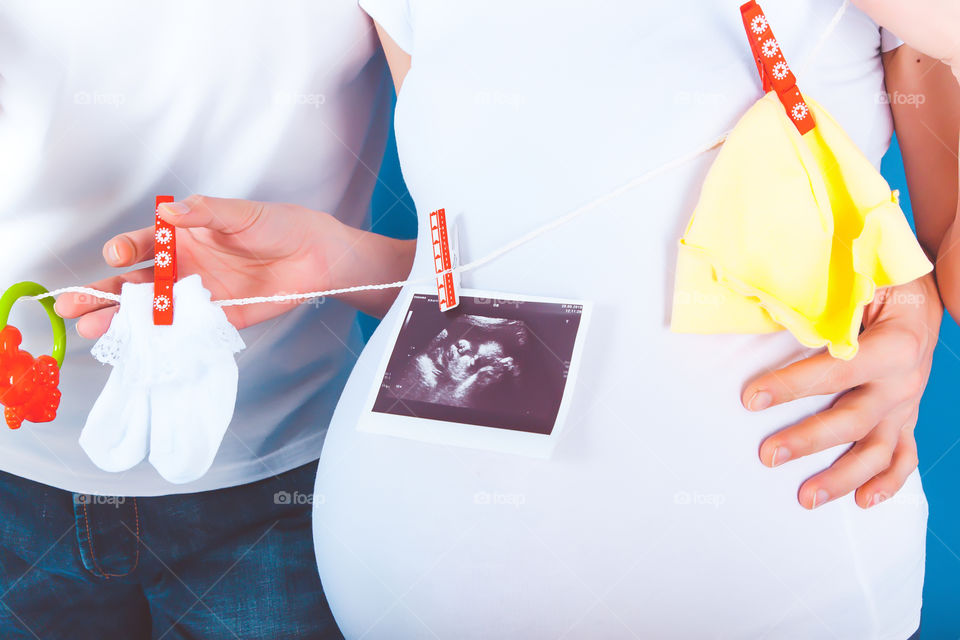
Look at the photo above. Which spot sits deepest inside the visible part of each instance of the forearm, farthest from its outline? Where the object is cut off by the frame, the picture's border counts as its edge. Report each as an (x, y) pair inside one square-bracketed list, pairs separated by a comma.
[(355, 257), (948, 269), (928, 129), (925, 101), (948, 257), (364, 257)]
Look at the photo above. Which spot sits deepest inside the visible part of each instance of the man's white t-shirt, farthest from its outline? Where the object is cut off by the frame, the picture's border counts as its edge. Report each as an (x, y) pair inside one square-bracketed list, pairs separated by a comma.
[(105, 104), (654, 518)]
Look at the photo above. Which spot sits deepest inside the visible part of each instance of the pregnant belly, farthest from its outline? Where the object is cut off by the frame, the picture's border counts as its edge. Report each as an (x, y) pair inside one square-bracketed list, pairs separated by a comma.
[(653, 518)]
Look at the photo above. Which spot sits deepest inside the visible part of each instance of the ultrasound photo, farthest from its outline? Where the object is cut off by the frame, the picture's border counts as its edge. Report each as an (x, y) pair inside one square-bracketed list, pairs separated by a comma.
[(492, 363)]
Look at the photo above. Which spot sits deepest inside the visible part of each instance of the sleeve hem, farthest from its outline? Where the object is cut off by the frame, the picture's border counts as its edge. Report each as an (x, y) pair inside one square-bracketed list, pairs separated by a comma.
[(394, 19), (888, 41)]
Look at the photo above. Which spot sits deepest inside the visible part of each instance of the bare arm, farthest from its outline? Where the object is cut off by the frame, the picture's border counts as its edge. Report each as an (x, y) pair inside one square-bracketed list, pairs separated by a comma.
[(397, 58), (931, 27), (925, 100), (926, 110), (370, 257), (364, 258)]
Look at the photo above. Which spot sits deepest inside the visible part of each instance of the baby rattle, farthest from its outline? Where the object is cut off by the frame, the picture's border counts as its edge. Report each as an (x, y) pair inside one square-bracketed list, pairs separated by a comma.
[(28, 385)]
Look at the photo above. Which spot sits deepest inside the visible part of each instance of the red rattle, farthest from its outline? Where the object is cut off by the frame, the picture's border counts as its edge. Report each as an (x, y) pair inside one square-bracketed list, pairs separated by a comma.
[(28, 385)]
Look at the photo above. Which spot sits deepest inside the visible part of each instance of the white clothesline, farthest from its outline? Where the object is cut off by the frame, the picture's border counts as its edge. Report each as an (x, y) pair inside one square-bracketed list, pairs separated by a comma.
[(507, 248), (490, 257)]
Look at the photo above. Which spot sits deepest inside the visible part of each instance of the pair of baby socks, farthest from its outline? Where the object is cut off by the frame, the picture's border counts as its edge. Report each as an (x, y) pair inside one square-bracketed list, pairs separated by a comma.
[(172, 391)]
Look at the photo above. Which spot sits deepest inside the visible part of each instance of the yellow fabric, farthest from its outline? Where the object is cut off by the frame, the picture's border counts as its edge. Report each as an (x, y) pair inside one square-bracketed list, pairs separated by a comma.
[(792, 232)]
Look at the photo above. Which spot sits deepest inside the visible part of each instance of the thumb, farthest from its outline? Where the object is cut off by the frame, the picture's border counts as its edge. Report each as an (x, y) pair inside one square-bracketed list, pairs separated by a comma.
[(226, 215)]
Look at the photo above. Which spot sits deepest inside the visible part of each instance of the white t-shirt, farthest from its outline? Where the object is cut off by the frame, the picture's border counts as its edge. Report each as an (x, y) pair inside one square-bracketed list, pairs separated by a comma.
[(105, 104), (654, 518)]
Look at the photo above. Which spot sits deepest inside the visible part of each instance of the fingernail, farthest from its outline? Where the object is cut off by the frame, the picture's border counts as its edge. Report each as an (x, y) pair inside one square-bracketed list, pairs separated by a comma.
[(176, 208), (877, 499), (114, 252), (759, 400), (819, 498), (780, 455)]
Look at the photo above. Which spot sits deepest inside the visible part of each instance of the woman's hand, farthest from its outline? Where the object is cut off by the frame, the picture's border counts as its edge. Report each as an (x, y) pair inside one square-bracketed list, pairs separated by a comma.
[(243, 248), (878, 411)]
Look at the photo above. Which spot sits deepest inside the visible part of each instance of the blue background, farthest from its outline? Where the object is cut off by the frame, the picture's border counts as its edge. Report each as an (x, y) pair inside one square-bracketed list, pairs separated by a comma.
[(937, 438), (393, 214)]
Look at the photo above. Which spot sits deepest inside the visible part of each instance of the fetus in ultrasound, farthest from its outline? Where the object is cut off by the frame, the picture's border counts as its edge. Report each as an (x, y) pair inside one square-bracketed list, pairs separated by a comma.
[(473, 361), (490, 362)]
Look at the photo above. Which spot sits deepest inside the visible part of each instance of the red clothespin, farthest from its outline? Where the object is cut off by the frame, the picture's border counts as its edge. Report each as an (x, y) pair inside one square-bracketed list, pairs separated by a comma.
[(164, 266), (774, 71), (445, 257)]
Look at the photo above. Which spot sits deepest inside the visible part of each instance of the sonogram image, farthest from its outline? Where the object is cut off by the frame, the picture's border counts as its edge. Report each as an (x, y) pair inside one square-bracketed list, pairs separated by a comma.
[(494, 363)]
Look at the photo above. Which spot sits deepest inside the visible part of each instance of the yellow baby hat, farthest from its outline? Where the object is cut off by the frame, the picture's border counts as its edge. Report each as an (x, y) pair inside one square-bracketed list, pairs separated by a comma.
[(795, 228)]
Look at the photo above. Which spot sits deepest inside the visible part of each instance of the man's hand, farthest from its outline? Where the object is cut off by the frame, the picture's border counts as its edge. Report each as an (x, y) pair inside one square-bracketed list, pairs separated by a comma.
[(242, 249), (878, 411)]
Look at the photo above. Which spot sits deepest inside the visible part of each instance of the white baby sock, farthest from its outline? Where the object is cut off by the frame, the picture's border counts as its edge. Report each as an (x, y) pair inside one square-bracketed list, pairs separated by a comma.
[(189, 422), (190, 413), (115, 434), (187, 376)]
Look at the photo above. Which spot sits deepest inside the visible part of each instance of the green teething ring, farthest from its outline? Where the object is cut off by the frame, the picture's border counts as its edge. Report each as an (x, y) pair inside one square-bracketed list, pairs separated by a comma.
[(23, 290)]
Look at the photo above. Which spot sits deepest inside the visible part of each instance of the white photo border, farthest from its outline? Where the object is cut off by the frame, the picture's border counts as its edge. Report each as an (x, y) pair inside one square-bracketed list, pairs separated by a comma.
[(467, 435)]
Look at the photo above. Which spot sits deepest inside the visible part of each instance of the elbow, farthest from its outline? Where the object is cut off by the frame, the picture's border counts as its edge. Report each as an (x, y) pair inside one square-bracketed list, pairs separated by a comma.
[(948, 273), (948, 282)]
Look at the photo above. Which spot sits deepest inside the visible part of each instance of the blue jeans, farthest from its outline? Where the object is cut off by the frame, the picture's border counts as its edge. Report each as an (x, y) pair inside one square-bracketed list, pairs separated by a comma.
[(232, 563)]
